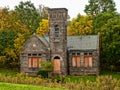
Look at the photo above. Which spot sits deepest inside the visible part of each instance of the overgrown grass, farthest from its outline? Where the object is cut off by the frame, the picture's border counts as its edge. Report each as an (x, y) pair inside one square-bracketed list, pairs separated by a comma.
[(91, 78), (8, 86), (106, 81), (113, 74), (68, 78), (8, 72), (78, 79)]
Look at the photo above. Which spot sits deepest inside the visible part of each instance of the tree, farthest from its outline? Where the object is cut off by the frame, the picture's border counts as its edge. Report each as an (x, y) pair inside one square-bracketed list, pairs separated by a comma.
[(97, 6), (29, 15), (43, 27), (13, 54), (43, 12), (108, 25), (6, 40), (10, 21), (81, 25)]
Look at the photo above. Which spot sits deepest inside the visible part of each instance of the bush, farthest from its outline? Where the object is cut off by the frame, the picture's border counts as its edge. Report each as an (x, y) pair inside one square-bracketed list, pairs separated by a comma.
[(2, 61), (43, 73), (46, 68)]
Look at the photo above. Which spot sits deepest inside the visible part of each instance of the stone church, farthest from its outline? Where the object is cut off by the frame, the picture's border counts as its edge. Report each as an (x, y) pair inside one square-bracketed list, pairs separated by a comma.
[(71, 55)]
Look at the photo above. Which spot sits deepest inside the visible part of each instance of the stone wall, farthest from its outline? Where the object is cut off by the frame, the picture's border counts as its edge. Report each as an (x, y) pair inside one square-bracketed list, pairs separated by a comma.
[(33, 46), (82, 70)]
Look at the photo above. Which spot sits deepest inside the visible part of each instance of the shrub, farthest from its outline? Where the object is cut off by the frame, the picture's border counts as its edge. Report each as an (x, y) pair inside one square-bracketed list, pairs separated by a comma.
[(46, 68)]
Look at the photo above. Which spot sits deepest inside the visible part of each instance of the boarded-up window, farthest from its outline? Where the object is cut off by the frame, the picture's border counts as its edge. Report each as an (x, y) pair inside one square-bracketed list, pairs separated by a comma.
[(88, 61), (74, 61), (29, 62), (33, 62), (78, 61)]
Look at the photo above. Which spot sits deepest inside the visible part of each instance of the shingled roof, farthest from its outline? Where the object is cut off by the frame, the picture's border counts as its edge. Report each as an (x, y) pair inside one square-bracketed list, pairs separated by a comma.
[(84, 42)]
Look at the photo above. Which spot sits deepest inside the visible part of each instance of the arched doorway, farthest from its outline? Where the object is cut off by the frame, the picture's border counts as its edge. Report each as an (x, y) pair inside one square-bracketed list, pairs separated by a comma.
[(56, 64)]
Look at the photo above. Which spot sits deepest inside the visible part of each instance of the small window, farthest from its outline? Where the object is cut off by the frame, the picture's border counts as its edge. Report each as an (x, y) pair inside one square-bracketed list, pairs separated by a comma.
[(73, 54), (56, 31), (34, 54), (29, 54), (39, 54), (78, 54), (90, 53), (85, 53)]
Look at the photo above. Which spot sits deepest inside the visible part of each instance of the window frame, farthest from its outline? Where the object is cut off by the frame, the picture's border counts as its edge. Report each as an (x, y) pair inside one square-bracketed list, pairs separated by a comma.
[(56, 28), (34, 60), (89, 58), (76, 60)]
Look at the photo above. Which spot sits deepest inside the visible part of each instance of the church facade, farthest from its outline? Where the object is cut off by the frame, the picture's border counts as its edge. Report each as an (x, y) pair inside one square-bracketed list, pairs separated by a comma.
[(71, 55)]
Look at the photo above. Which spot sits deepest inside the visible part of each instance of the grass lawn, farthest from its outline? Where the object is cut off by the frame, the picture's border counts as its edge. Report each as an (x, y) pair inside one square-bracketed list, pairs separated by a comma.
[(9, 86)]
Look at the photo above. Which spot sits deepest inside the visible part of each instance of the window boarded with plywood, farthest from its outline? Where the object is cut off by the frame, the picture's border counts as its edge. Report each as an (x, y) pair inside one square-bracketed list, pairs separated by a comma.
[(78, 61), (86, 62), (90, 61), (73, 61), (34, 62)]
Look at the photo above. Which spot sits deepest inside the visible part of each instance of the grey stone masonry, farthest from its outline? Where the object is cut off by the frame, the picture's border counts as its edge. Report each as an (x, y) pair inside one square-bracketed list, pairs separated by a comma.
[(58, 36)]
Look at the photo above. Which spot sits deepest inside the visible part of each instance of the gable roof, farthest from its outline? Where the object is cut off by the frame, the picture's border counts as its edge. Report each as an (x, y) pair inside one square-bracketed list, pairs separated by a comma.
[(45, 40), (35, 44), (83, 42)]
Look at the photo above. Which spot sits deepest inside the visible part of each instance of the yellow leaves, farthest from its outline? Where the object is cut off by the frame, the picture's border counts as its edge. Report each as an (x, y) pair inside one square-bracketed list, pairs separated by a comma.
[(80, 25), (9, 20), (13, 53), (10, 53), (43, 27), (18, 43)]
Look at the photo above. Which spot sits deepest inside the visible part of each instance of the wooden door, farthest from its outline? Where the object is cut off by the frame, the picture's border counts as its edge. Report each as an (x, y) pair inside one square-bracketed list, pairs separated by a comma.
[(56, 65)]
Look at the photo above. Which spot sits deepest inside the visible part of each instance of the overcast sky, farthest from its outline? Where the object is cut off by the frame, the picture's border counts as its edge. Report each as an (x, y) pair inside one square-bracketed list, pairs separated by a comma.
[(74, 6)]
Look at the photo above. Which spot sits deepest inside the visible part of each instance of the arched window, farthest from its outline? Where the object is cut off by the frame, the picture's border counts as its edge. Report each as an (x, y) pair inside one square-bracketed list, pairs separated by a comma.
[(56, 31), (56, 57)]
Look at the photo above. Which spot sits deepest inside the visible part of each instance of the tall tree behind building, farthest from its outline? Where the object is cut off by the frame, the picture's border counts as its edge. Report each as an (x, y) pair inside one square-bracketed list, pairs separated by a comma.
[(97, 6), (28, 15)]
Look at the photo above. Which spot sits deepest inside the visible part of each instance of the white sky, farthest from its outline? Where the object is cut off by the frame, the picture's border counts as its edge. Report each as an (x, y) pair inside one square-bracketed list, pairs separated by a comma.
[(74, 6)]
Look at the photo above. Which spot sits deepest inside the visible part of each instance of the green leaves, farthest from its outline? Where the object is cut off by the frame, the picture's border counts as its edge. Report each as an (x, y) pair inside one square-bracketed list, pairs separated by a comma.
[(108, 24), (29, 15), (97, 6)]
